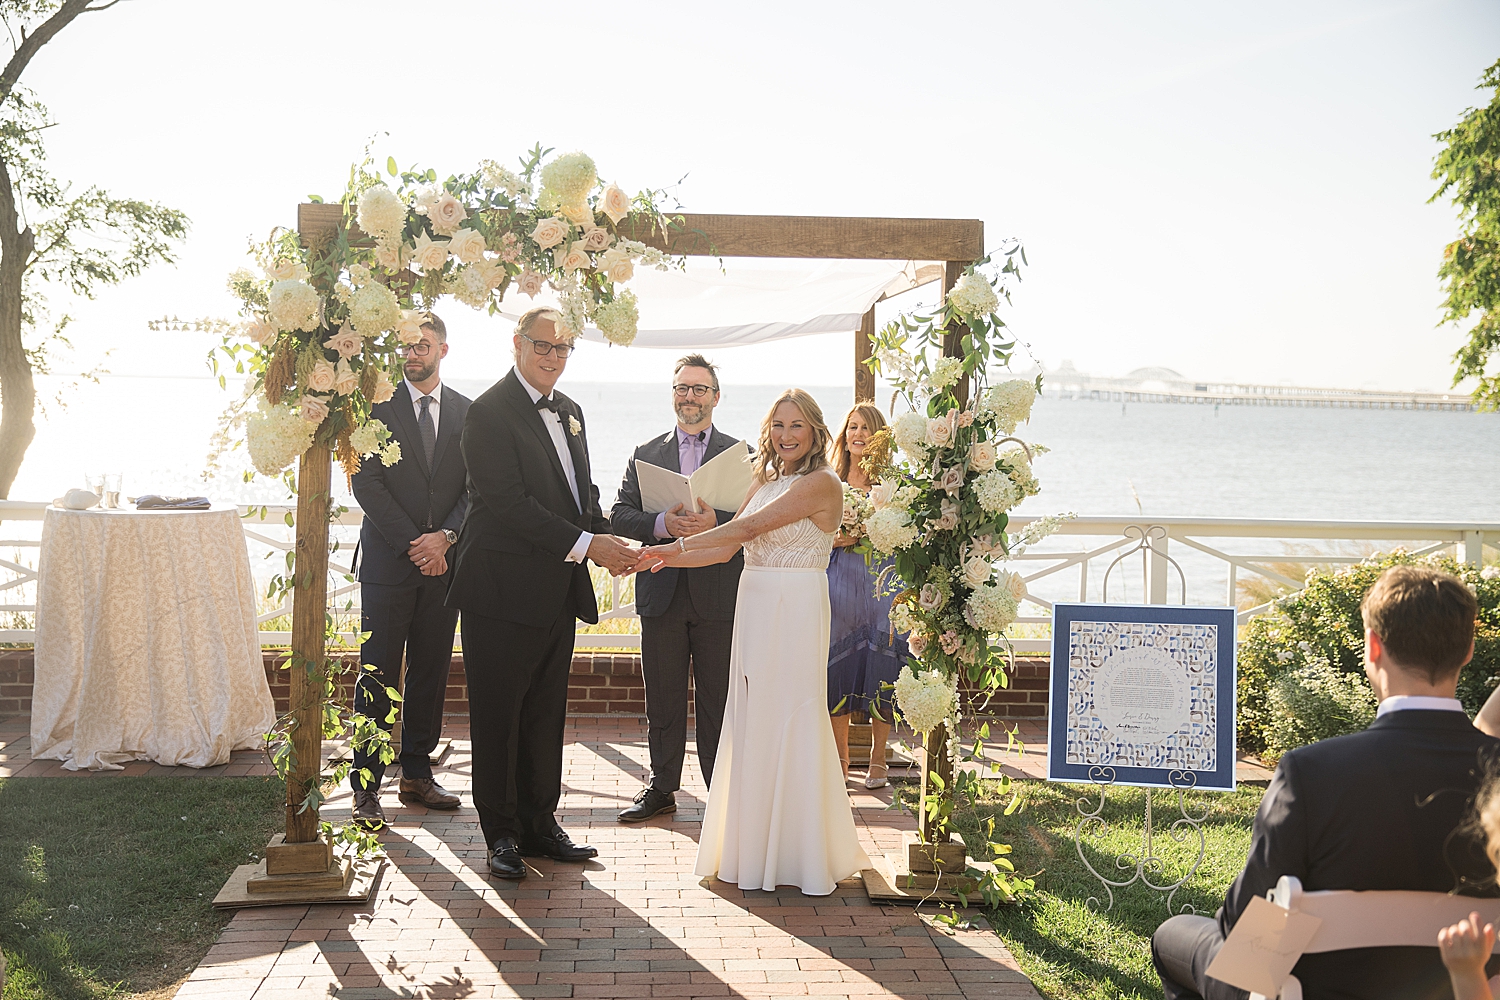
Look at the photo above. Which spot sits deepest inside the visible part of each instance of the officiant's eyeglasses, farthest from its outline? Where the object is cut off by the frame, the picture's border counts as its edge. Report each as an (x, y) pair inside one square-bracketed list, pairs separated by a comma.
[(698, 391), (546, 347)]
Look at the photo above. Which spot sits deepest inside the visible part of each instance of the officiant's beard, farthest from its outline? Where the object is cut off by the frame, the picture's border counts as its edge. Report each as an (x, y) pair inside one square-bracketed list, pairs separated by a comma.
[(415, 371), (691, 414)]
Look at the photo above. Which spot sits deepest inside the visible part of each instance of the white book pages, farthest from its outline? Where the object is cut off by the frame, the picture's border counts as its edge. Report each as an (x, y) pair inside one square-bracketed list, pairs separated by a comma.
[(721, 482)]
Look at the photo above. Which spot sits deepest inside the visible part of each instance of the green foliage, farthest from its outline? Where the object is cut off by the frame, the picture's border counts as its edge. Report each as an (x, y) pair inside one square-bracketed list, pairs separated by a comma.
[(1469, 172), (1315, 702), (1322, 622)]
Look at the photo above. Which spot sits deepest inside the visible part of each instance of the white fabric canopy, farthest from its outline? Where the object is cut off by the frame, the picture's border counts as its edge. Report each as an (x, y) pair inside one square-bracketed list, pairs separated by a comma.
[(752, 300)]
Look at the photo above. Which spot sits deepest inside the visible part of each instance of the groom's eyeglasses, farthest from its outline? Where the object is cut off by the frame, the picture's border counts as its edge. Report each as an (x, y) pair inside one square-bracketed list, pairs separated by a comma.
[(698, 391), (546, 347), (414, 350)]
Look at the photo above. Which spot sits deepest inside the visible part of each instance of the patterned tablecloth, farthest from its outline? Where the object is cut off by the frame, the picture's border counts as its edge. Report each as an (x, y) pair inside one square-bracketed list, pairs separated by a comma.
[(146, 642)]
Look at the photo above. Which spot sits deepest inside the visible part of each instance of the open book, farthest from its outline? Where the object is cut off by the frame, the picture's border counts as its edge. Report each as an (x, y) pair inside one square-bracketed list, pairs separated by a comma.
[(721, 482)]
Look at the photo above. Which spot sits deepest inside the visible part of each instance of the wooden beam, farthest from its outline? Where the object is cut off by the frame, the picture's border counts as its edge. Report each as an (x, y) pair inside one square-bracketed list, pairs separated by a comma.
[(864, 379), (763, 235)]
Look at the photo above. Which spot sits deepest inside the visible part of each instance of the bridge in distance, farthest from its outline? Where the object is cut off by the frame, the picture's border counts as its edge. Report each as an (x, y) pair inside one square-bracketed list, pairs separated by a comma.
[(1163, 385)]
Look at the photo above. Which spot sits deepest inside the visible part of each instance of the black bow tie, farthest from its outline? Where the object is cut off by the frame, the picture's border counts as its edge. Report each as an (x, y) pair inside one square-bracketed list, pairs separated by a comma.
[(543, 403)]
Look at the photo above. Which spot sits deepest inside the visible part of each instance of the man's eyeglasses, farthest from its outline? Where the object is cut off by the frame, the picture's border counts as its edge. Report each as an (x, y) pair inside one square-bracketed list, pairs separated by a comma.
[(698, 391), (417, 350), (546, 347)]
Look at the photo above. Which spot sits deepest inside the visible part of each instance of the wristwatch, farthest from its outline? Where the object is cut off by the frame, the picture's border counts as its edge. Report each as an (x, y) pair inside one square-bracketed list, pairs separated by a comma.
[(451, 535)]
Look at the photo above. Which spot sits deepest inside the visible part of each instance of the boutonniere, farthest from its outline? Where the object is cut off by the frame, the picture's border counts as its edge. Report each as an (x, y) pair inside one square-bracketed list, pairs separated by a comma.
[(573, 425)]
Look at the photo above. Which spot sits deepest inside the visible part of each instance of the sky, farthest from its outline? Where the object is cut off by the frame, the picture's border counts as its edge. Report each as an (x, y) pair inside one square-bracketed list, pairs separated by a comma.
[(1235, 191)]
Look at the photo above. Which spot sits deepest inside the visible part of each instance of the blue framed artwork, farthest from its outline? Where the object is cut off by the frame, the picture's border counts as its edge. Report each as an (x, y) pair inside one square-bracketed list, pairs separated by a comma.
[(1142, 694)]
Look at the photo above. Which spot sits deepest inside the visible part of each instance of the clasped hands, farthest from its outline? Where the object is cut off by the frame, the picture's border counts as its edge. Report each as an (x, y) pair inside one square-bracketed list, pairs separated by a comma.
[(430, 553), (620, 558)]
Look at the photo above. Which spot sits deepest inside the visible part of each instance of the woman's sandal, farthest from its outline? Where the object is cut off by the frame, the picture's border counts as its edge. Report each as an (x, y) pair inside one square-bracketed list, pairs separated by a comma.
[(874, 781), (843, 763)]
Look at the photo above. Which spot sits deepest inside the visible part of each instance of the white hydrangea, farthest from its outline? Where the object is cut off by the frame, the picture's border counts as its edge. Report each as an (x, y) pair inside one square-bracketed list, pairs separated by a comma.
[(368, 437), (512, 183), (925, 699), (996, 492), (618, 320), (973, 296), (295, 305), (381, 214), (910, 434), (373, 309), (991, 608), (276, 436), (890, 529), (573, 316), (945, 372), (1019, 464), (1009, 403), (571, 177), (469, 286), (903, 619)]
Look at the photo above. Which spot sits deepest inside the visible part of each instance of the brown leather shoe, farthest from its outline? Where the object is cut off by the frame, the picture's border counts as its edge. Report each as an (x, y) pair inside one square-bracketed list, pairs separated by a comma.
[(426, 792), (367, 811)]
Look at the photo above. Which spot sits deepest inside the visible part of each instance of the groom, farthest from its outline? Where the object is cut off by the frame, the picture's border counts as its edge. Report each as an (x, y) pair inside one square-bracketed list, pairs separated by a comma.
[(521, 580)]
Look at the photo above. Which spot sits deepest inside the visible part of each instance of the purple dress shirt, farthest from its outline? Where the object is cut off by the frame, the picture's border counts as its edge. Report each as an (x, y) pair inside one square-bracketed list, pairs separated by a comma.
[(690, 451)]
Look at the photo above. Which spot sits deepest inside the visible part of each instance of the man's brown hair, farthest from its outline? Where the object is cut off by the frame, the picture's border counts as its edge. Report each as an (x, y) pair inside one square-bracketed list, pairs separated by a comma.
[(1424, 617), (439, 328), (697, 361), (530, 317)]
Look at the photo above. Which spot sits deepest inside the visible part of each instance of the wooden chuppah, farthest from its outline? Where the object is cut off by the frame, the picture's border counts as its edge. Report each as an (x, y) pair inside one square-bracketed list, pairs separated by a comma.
[(953, 243)]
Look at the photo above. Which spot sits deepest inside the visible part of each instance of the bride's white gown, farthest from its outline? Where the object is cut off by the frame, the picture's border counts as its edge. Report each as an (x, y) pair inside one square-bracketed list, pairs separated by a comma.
[(778, 813)]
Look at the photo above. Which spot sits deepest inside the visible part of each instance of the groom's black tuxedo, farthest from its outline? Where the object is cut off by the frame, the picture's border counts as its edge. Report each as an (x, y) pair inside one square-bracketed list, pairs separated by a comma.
[(520, 600), (1385, 808)]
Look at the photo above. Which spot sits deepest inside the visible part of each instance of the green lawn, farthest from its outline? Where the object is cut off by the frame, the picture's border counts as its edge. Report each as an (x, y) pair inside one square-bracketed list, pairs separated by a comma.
[(106, 885), (1069, 952)]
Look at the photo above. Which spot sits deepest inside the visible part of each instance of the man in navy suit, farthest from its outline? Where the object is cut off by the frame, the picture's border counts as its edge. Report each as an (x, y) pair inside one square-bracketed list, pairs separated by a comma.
[(687, 615), (413, 513)]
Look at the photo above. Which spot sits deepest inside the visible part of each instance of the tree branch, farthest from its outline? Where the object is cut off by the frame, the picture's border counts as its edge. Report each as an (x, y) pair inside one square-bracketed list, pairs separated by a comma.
[(31, 43)]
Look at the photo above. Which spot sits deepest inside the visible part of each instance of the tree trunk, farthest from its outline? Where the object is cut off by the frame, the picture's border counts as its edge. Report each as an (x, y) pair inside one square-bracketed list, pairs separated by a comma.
[(17, 389), (309, 610)]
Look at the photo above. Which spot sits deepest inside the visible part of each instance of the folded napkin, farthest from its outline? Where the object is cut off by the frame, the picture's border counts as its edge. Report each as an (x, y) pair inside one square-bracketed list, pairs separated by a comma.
[(153, 502)]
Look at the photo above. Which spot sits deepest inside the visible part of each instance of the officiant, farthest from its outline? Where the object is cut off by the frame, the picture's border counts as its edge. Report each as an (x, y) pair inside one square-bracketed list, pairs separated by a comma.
[(687, 615)]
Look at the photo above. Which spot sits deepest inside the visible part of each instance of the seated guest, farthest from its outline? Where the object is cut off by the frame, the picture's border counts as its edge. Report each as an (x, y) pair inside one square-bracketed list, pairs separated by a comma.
[(1466, 945), (1380, 809)]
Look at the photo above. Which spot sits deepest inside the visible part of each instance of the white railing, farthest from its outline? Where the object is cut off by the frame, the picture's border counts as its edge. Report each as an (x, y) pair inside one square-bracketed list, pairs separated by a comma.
[(1197, 560)]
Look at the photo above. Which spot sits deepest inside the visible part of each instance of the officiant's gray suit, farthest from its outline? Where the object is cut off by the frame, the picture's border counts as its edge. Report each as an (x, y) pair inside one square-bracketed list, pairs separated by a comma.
[(687, 617)]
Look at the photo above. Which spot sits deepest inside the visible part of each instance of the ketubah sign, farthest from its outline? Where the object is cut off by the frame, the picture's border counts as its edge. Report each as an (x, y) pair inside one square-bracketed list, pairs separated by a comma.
[(1142, 694)]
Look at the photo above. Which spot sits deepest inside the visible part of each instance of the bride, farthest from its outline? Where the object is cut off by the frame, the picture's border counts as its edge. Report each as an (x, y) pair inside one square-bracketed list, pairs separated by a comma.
[(779, 814)]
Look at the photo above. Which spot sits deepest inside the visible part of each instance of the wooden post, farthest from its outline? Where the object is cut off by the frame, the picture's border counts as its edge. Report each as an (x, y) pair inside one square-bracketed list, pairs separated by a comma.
[(864, 379), (309, 608)]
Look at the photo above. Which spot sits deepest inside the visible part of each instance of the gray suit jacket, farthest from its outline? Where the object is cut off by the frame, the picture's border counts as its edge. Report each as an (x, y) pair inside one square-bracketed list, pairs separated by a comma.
[(713, 588)]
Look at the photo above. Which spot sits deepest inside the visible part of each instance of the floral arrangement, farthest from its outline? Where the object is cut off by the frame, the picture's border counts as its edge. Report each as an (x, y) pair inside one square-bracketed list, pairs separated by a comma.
[(857, 509), (941, 514), (322, 322)]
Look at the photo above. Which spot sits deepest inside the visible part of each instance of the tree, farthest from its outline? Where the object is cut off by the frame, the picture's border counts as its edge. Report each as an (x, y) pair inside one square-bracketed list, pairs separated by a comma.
[(1469, 169), (49, 236)]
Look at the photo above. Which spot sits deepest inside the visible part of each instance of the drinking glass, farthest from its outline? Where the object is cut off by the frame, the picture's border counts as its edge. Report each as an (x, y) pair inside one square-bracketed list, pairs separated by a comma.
[(111, 495), (94, 483)]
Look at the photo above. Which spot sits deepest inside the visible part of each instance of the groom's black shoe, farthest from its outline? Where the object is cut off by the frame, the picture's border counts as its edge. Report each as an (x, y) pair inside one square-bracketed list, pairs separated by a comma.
[(648, 803), (505, 859), (558, 846)]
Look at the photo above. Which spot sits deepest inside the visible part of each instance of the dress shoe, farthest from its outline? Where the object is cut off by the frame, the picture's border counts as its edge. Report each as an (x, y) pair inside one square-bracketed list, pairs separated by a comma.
[(505, 859), (648, 803), (367, 811), (426, 792), (558, 846)]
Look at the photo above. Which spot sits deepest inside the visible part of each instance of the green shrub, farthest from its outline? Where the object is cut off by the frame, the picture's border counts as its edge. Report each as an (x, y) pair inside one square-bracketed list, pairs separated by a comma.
[(1315, 702), (1321, 622)]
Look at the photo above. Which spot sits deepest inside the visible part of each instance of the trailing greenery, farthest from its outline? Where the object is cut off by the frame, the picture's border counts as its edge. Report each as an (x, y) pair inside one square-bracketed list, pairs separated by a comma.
[(1469, 172), (1322, 622), (1315, 702), (1069, 952), (107, 886)]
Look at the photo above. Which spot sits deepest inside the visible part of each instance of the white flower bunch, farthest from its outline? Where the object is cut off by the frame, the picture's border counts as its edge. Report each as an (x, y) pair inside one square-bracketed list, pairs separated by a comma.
[(897, 365), (1019, 464), (926, 699), (649, 256), (945, 372), (295, 306), (1013, 583), (469, 286), (381, 214), (276, 436), (1042, 527), (373, 309), (996, 492), (573, 316), (570, 177), (368, 437), (910, 434), (903, 619), (990, 608), (1009, 403), (390, 454), (890, 529), (619, 319), (512, 183), (857, 508), (973, 296)]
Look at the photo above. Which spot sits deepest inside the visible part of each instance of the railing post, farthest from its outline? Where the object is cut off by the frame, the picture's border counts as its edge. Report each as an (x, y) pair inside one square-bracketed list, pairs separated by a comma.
[(1156, 571), (1474, 548)]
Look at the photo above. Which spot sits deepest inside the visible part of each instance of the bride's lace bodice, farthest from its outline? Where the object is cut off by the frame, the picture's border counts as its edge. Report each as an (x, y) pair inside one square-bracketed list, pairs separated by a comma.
[(799, 545)]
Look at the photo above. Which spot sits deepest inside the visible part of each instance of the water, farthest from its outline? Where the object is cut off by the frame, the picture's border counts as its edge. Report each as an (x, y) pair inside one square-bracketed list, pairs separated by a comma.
[(1173, 460)]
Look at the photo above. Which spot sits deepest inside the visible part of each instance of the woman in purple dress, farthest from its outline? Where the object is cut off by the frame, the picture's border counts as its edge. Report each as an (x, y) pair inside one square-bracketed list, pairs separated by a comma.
[(864, 654)]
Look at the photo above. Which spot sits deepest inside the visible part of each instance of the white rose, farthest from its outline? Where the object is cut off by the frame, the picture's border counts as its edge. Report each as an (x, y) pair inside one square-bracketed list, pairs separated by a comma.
[(467, 245), (930, 598), (616, 265), (917, 643), (952, 480), (549, 232), (530, 282), (574, 258), (939, 432), (430, 254), (313, 409), (383, 389), (596, 239), (344, 379), (614, 203), (346, 342), (579, 214), (982, 456), (321, 378), (445, 214), (392, 256), (261, 331), (881, 494), (1013, 583), (409, 330), (977, 571), (286, 270), (947, 518)]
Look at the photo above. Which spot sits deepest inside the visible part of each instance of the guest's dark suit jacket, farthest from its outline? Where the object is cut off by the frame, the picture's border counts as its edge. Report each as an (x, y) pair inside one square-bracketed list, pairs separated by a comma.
[(1381, 809), (400, 501), (712, 588), (522, 519)]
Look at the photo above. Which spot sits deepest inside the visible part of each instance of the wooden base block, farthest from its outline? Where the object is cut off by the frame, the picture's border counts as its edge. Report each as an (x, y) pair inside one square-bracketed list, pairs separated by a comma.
[(920, 857), (885, 884), (356, 886), (335, 876), (314, 857)]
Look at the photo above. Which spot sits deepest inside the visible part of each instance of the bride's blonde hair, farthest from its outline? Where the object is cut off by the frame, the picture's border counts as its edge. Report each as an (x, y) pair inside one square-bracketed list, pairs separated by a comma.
[(768, 464)]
